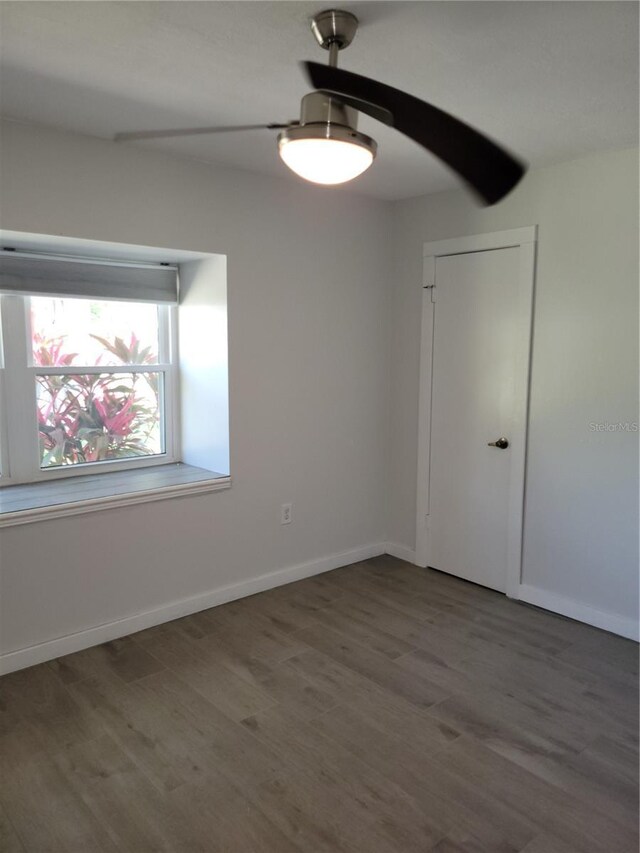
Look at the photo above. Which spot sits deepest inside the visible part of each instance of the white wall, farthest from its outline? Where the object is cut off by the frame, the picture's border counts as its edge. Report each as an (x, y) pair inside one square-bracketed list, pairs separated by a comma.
[(308, 299), (581, 519), (323, 346)]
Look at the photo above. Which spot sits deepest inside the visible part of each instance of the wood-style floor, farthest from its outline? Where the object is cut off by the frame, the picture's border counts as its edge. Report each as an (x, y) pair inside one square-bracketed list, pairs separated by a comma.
[(379, 708)]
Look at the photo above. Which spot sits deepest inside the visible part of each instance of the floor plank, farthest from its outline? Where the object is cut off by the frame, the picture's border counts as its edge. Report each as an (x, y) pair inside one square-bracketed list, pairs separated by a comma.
[(9, 841), (121, 658), (216, 682), (46, 812), (225, 821), (371, 665), (441, 797), (371, 797), (576, 822), (122, 800), (363, 632)]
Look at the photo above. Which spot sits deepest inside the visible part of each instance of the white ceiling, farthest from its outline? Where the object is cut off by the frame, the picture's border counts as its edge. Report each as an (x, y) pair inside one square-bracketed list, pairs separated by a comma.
[(551, 80)]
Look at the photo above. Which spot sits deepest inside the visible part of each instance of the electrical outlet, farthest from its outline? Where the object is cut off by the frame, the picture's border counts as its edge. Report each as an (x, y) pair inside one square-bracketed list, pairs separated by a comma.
[(285, 513)]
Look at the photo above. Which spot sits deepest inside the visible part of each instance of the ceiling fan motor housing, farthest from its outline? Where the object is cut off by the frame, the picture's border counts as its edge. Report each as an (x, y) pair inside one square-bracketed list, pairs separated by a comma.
[(321, 108), (323, 116)]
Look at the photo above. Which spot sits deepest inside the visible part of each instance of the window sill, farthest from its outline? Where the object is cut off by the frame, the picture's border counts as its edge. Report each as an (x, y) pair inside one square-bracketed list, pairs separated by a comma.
[(31, 502)]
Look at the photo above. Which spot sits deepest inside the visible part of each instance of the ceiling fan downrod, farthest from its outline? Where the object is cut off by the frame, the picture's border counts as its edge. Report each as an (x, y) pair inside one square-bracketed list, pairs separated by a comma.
[(334, 30)]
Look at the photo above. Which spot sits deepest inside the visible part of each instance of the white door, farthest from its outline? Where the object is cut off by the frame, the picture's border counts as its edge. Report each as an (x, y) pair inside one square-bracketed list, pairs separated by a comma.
[(479, 380)]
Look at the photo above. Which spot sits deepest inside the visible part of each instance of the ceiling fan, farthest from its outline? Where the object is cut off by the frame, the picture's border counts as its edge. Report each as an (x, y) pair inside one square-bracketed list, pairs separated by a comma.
[(325, 147)]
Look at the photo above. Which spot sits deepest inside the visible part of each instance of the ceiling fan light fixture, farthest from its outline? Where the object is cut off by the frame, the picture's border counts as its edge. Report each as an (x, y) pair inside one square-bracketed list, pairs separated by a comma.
[(326, 153)]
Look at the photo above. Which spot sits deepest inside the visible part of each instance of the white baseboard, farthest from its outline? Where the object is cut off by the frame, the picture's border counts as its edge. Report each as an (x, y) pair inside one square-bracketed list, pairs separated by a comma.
[(402, 552), (65, 645), (621, 625)]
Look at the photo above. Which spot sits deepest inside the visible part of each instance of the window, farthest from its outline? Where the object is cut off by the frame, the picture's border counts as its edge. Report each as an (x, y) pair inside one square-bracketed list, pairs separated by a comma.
[(91, 381), (87, 383)]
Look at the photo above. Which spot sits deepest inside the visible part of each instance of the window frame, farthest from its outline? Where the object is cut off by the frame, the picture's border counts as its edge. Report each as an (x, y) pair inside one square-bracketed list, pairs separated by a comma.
[(19, 447)]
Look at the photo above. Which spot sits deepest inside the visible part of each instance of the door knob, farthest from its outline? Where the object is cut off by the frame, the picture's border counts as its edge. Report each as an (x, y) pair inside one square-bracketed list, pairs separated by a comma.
[(501, 443)]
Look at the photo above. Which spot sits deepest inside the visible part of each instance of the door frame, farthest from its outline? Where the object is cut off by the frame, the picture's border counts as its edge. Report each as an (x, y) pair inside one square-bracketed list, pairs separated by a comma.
[(525, 239)]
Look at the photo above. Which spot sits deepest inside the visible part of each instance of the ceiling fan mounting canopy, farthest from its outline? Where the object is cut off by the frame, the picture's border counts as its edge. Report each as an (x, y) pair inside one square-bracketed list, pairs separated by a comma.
[(325, 146), (334, 26)]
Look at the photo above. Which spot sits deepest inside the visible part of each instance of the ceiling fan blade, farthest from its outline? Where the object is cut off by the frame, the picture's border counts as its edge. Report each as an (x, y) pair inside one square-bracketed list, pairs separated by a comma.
[(192, 131), (483, 164)]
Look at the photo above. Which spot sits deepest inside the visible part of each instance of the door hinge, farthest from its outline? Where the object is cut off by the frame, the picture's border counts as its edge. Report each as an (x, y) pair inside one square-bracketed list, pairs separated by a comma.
[(429, 274), (432, 288)]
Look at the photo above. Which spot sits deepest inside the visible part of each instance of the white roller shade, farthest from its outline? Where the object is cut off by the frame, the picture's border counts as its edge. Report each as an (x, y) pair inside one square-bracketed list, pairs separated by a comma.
[(51, 276)]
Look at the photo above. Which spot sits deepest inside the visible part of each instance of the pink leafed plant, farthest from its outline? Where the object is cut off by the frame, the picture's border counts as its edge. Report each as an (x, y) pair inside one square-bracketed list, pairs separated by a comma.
[(95, 417)]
